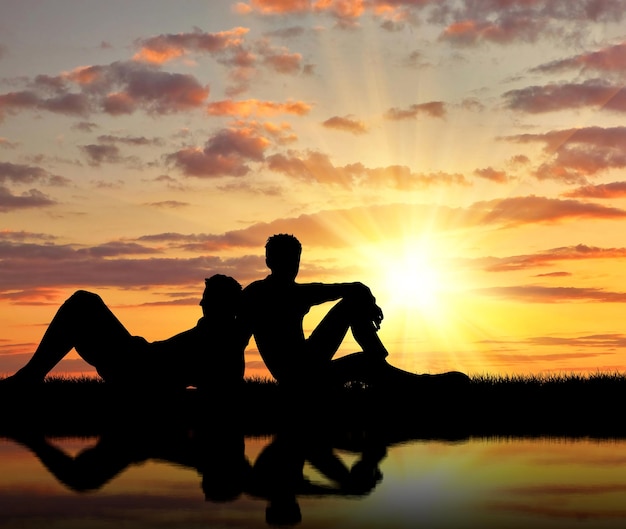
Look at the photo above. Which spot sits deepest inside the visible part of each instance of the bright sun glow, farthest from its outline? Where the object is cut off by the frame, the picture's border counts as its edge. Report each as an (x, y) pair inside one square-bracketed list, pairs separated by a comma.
[(413, 278), (412, 281)]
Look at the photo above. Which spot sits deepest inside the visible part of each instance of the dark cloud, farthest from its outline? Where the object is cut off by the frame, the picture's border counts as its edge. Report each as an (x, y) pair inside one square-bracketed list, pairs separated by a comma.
[(598, 93), (607, 60), (22, 174), (117, 88), (227, 153), (130, 140), (578, 153), (346, 123), (435, 109), (170, 204), (27, 199), (98, 154)]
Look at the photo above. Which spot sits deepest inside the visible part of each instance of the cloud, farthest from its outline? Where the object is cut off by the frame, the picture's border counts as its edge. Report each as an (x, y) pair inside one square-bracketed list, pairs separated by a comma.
[(566, 96), (505, 30), (22, 174), (467, 23), (130, 140), (257, 107), (116, 89), (26, 266), (435, 109), (578, 153), (548, 257), (316, 167), (516, 211), (164, 48), (6, 144), (611, 190), (542, 294), (98, 154), (227, 153), (489, 173), (606, 60), (346, 124), (28, 199), (169, 204)]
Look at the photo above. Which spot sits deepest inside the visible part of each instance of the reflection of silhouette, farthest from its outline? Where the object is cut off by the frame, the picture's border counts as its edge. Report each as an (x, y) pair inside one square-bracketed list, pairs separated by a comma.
[(218, 456), (277, 474), (273, 309), (192, 358)]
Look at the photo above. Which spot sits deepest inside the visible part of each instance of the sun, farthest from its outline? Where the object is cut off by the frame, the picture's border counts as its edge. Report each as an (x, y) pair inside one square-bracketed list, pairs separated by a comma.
[(412, 276), (412, 280)]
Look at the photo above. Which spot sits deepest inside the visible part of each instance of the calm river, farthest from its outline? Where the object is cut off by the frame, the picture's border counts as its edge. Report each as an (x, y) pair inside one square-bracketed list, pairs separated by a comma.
[(261, 481)]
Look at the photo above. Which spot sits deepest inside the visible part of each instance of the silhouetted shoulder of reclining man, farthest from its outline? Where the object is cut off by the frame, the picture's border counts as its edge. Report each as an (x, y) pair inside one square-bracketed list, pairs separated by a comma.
[(272, 310), (197, 357)]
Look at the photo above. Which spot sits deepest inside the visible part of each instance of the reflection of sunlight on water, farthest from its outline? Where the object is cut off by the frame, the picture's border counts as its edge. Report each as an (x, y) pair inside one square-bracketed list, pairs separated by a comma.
[(493, 483)]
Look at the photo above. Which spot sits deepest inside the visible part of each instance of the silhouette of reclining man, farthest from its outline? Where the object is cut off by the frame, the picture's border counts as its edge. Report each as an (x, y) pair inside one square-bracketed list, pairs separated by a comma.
[(197, 357), (272, 310)]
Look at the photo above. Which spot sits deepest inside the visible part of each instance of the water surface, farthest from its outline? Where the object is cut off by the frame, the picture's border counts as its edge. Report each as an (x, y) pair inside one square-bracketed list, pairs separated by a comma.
[(475, 482)]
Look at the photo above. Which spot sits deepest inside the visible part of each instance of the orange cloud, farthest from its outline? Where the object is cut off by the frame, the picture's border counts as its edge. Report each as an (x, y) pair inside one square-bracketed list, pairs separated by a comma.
[(515, 211), (611, 190), (317, 167), (346, 123), (163, 48), (542, 294), (489, 173), (257, 107), (548, 257)]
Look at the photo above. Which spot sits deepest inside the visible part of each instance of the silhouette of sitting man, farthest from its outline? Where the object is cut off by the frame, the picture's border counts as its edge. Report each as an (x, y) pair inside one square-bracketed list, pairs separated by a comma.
[(272, 310), (197, 357)]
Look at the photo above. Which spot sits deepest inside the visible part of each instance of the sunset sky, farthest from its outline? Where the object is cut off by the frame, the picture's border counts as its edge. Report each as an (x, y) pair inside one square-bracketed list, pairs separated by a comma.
[(463, 158)]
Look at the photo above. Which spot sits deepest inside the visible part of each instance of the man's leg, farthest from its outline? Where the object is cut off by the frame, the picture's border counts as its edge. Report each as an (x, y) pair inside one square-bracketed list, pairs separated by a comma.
[(83, 322), (328, 335)]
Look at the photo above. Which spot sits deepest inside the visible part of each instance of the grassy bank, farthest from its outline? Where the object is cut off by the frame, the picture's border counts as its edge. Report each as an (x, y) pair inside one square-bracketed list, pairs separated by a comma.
[(561, 404)]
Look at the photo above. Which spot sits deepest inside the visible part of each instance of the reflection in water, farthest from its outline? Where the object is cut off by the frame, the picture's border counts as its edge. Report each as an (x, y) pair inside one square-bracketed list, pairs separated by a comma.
[(199, 478)]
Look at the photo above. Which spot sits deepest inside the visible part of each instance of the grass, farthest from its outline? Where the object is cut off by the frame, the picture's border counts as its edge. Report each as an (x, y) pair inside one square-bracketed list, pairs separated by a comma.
[(569, 404)]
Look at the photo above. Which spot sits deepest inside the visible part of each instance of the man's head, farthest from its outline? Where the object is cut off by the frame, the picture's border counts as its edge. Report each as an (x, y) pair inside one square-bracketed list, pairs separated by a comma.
[(221, 295), (282, 256)]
